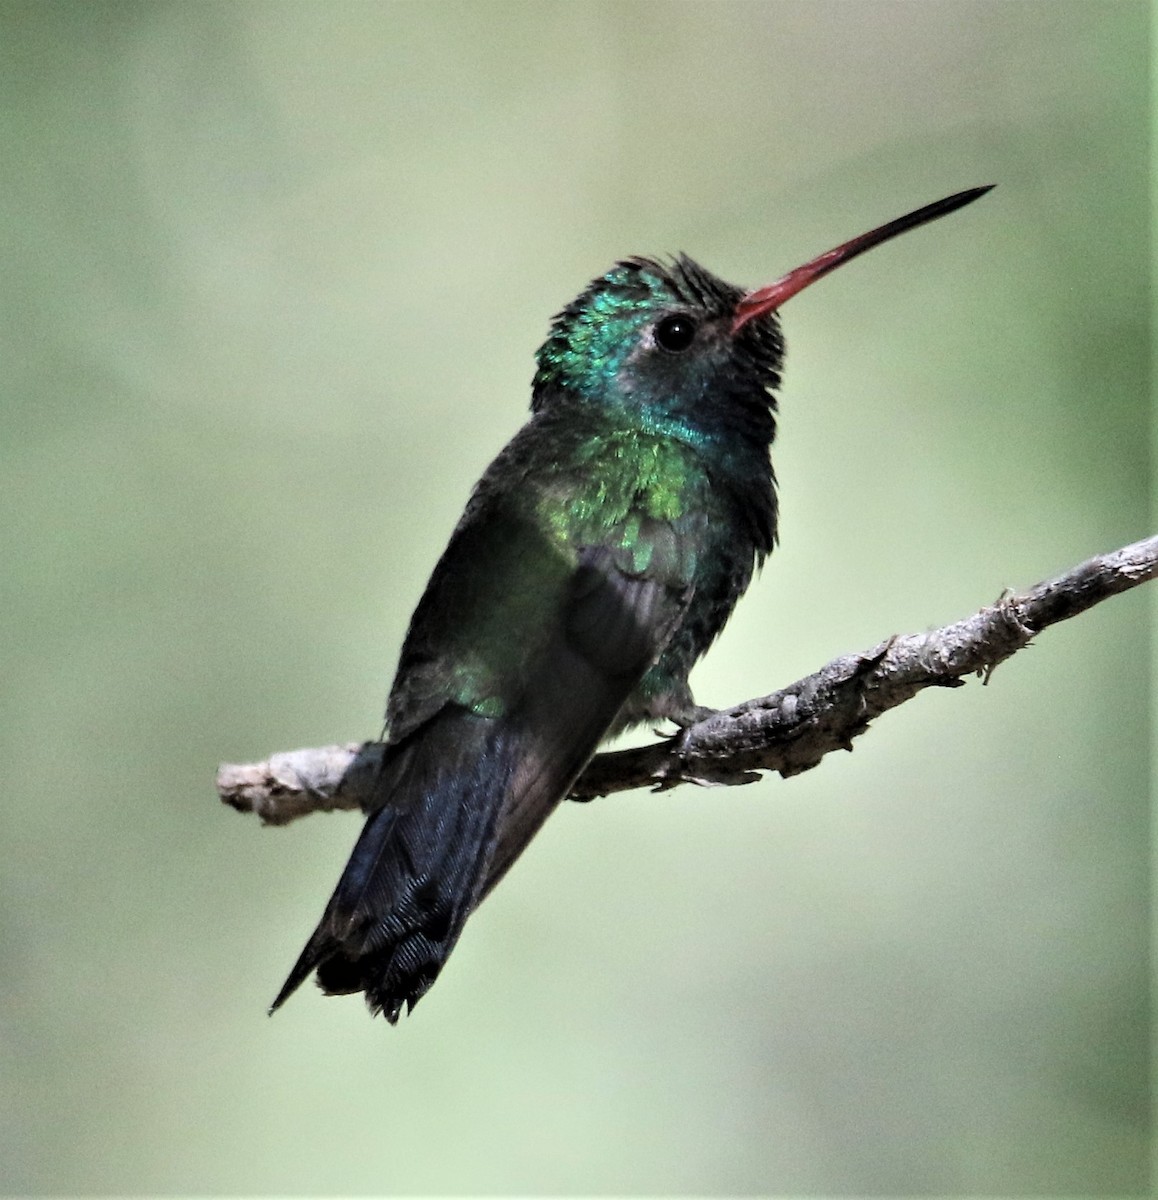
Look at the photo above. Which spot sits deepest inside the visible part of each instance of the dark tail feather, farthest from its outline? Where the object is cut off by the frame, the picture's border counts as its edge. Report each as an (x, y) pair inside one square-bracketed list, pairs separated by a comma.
[(417, 869)]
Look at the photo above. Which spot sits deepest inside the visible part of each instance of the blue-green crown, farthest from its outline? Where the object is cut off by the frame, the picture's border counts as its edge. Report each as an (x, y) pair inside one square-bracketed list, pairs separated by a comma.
[(592, 336)]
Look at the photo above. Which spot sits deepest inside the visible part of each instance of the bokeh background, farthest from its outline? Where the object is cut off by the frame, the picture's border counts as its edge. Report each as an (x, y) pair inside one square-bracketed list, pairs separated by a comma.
[(272, 278)]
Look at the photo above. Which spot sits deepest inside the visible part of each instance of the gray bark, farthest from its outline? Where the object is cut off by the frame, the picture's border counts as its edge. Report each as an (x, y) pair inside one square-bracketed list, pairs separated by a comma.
[(788, 731)]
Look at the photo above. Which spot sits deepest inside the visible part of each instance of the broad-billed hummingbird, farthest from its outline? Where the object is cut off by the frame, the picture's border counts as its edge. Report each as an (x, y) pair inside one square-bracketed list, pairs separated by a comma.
[(598, 558)]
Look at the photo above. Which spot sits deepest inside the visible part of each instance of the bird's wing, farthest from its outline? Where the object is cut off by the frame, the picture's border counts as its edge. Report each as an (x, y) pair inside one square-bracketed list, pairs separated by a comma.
[(616, 622), (494, 730)]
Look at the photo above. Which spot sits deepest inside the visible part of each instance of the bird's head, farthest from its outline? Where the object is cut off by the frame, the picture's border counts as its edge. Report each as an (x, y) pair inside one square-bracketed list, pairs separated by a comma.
[(673, 343), (656, 339)]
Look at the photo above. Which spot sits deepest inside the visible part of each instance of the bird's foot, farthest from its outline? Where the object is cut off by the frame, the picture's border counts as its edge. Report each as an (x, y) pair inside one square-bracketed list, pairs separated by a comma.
[(692, 715)]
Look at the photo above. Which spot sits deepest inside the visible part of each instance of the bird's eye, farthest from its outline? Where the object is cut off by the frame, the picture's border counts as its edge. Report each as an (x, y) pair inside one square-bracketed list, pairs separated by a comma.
[(675, 333)]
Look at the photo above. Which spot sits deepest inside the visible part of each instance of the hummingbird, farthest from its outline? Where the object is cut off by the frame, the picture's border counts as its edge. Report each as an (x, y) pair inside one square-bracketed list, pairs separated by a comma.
[(597, 559)]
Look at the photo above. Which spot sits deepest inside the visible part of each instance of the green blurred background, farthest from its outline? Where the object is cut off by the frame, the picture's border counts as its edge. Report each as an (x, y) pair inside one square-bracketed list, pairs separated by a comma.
[(272, 279)]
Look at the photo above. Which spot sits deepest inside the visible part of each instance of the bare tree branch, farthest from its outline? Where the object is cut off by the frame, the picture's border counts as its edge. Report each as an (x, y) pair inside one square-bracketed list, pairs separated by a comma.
[(789, 731)]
